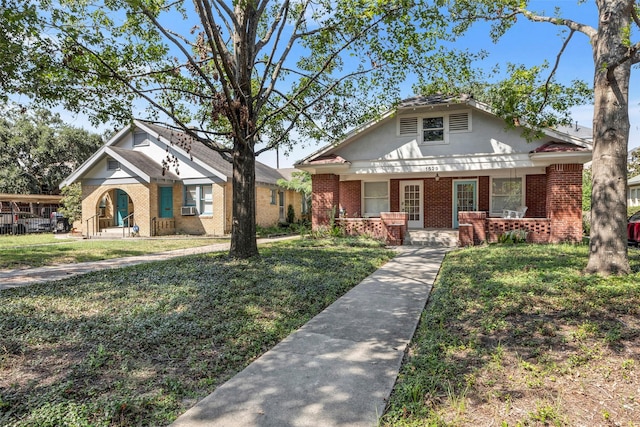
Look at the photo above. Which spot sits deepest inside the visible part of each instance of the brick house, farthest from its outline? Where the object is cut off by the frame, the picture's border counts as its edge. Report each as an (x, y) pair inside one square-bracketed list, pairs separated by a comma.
[(450, 163), (124, 184)]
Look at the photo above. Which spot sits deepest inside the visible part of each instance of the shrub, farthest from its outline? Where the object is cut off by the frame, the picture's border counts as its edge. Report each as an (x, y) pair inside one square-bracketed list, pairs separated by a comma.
[(513, 237), (586, 223)]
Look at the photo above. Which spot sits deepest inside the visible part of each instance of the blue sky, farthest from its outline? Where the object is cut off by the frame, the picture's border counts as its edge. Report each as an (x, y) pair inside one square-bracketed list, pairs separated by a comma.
[(527, 43), (532, 43)]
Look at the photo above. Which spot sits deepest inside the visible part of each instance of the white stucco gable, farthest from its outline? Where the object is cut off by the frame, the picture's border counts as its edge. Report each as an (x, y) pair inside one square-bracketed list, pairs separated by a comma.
[(444, 135)]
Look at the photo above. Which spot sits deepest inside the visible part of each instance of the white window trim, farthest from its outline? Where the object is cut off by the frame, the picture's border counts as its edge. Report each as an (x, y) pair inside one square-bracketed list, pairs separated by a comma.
[(445, 115), (362, 201), (522, 196), (199, 199)]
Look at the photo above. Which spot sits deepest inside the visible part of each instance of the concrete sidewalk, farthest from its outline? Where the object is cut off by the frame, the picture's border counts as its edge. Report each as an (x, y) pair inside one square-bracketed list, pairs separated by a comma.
[(23, 277), (339, 368)]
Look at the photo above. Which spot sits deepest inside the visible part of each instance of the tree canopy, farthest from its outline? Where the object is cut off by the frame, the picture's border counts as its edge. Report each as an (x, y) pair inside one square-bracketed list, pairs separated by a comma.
[(241, 77), (37, 150)]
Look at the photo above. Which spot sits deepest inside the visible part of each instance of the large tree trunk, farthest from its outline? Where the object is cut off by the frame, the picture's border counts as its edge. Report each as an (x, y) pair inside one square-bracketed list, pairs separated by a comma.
[(608, 247), (243, 227)]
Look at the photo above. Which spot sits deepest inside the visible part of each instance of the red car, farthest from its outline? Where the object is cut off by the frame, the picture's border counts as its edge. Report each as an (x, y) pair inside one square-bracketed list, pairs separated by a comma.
[(633, 229)]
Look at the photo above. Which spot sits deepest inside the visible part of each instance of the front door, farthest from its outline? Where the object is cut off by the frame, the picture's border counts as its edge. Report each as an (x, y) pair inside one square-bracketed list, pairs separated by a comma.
[(122, 207), (464, 198), (166, 202), (411, 202)]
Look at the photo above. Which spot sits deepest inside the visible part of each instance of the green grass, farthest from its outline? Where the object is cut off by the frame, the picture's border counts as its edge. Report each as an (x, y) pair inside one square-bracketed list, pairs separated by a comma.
[(517, 335), (36, 250), (138, 346)]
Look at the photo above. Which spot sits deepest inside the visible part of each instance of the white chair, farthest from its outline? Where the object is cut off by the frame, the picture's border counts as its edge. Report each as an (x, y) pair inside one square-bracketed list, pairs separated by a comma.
[(518, 213)]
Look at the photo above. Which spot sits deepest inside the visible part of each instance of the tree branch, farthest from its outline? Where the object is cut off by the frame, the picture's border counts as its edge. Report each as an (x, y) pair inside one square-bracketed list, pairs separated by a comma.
[(553, 71), (572, 25)]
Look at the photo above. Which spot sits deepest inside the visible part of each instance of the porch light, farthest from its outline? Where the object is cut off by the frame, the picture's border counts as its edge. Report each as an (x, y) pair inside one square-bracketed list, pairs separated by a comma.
[(437, 177)]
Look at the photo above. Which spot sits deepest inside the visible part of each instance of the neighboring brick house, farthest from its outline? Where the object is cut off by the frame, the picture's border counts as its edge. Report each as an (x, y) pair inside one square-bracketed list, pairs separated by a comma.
[(124, 184), (448, 161)]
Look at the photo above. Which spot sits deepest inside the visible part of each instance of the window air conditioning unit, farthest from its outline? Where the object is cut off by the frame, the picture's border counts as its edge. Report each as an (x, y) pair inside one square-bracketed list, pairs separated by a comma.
[(189, 211)]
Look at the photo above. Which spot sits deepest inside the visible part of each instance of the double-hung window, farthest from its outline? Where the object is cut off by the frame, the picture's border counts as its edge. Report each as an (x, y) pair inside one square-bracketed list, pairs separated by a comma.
[(506, 193), (376, 198), (200, 196), (433, 129)]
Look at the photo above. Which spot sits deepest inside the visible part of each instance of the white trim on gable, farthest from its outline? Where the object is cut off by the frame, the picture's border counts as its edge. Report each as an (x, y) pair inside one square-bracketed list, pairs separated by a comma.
[(197, 161), (124, 162)]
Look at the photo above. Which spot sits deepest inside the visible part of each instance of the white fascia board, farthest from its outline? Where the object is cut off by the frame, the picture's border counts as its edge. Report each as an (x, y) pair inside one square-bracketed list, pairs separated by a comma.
[(461, 163), (546, 159), (84, 167), (118, 136), (94, 158), (168, 143), (146, 178), (347, 139), (325, 168), (196, 181), (580, 142)]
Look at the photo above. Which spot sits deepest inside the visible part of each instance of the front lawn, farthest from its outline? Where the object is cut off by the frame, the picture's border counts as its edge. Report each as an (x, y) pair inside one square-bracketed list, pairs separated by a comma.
[(37, 250), (140, 345), (515, 335)]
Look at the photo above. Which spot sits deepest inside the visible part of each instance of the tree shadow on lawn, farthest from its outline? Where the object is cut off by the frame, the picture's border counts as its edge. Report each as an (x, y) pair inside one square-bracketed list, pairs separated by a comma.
[(519, 335), (139, 345)]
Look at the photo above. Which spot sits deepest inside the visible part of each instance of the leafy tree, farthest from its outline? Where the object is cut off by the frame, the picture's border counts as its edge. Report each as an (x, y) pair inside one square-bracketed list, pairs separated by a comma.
[(72, 202), (37, 151), (586, 189), (614, 53), (633, 164), (240, 76)]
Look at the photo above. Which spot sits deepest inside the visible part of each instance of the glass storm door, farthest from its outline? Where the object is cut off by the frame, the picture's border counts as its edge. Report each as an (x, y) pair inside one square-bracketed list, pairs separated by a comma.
[(122, 207), (464, 198), (166, 202), (411, 202)]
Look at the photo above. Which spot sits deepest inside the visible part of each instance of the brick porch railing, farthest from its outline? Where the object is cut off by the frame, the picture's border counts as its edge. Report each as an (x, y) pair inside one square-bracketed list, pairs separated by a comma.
[(477, 228), (390, 227)]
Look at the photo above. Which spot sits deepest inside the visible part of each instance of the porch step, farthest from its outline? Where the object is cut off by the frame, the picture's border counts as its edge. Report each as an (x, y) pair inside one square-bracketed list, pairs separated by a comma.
[(444, 238), (111, 233)]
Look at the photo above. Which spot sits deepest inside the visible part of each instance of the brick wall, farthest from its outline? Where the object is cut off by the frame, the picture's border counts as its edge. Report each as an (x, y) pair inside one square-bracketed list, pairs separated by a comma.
[(394, 195), (564, 202), (536, 196), (350, 198), (325, 197), (438, 207), (139, 204), (484, 184)]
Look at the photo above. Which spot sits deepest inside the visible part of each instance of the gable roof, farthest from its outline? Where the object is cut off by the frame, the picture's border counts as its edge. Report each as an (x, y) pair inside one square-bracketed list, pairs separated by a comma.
[(147, 168), (578, 136), (634, 181)]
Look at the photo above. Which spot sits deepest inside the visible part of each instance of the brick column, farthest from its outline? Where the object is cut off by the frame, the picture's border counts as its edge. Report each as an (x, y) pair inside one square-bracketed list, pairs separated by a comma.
[(564, 202), (349, 197), (478, 230), (325, 196)]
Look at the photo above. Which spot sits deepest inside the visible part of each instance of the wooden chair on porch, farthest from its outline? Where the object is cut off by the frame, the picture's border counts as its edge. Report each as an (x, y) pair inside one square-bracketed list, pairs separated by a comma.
[(518, 213)]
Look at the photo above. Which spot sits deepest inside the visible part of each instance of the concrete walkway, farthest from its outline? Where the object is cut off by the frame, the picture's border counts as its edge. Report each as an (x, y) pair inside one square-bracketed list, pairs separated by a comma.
[(23, 277), (339, 368)]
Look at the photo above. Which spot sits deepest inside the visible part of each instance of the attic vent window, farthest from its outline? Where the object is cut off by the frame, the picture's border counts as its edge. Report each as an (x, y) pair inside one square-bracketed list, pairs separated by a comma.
[(408, 126), (140, 138), (459, 122), (113, 165)]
